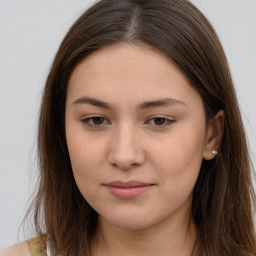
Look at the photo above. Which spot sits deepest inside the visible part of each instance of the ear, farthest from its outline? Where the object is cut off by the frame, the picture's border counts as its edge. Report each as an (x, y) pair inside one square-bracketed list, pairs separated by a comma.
[(214, 134)]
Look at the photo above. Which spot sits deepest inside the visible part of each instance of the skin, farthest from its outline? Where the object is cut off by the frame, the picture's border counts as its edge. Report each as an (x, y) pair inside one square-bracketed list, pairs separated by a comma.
[(20, 249), (128, 142)]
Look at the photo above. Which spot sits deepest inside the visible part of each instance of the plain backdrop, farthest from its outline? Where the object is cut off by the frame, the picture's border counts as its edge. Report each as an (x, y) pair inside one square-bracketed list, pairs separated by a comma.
[(30, 33)]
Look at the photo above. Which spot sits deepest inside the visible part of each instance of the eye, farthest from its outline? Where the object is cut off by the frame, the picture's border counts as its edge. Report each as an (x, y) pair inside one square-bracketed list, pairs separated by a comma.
[(160, 121), (95, 121)]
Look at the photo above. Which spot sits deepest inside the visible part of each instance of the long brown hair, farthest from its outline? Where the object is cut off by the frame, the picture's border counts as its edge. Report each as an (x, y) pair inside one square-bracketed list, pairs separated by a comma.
[(223, 198)]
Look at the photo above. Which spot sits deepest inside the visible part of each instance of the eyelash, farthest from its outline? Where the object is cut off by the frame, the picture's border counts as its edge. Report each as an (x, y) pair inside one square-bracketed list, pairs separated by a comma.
[(87, 121)]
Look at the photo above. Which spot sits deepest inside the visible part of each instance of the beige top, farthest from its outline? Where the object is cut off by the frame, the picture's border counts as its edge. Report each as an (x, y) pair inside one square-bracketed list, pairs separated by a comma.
[(36, 247)]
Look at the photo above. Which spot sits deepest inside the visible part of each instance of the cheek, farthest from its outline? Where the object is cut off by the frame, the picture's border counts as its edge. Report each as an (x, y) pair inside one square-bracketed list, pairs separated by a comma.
[(178, 164), (86, 161), (87, 155), (180, 157)]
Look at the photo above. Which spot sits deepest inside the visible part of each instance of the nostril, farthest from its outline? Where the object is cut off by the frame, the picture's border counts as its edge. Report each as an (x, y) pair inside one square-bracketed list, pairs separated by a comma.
[(127, 167)]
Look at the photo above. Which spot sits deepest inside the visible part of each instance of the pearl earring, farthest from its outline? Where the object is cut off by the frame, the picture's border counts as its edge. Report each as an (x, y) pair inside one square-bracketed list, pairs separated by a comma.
[(215, 152)]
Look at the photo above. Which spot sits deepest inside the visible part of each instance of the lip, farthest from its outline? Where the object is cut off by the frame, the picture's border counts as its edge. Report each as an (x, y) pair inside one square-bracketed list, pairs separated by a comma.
[(129, 189)]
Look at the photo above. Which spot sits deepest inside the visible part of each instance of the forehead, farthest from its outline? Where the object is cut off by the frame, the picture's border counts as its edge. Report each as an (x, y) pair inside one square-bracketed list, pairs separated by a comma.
[(129, 71), (126, 60)]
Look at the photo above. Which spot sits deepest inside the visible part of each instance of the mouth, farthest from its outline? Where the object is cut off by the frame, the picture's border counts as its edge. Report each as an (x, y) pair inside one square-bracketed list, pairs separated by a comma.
[(128, 190)]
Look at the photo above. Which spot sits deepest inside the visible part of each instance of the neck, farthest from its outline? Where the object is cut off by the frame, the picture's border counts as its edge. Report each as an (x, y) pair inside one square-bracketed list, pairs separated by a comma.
[(160, 240)]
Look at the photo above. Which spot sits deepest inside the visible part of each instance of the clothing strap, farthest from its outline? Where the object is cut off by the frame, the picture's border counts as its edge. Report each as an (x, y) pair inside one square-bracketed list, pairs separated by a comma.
[(36, 247)]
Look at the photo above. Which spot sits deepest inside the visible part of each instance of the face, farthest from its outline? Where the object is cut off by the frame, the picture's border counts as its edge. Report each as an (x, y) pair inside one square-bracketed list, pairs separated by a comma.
[(136, 135)]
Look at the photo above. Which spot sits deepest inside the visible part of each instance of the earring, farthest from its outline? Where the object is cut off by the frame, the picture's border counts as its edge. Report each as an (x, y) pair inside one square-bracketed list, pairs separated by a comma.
[(215, 152)]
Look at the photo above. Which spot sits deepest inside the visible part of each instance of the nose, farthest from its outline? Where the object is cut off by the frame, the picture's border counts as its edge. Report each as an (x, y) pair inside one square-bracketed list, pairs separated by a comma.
[(126, 150)]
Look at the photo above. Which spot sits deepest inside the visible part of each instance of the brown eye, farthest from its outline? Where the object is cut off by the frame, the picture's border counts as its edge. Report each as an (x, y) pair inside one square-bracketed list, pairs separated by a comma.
[(98, 120), (159, 121), (95, 121)]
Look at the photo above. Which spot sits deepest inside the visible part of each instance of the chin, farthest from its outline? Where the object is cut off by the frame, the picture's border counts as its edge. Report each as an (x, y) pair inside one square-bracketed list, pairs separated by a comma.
[(131, 222)]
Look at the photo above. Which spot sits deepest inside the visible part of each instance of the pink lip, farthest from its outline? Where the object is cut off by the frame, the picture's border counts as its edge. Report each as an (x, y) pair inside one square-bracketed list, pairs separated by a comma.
[(127, 190)]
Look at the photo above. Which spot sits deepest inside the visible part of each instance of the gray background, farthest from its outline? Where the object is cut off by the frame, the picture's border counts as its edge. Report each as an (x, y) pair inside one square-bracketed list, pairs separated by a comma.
[(30, 32)]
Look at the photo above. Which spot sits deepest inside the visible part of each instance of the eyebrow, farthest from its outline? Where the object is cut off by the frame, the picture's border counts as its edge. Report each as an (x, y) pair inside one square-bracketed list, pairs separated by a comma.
[(165, 102), (92, 101), (160, 103)]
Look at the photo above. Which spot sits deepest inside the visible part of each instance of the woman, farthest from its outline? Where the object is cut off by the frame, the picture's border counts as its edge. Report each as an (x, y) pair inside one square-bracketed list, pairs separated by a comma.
[(141, 145)]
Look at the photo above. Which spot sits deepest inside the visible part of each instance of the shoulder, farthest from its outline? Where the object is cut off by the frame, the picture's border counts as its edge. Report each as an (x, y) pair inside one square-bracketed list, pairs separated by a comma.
[(20, 249)]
